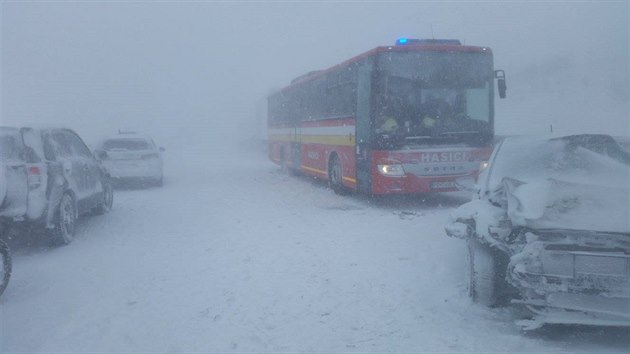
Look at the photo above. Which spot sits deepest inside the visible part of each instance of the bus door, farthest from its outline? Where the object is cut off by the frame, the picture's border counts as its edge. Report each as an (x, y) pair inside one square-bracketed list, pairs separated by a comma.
[(296, 141), (363, 148)]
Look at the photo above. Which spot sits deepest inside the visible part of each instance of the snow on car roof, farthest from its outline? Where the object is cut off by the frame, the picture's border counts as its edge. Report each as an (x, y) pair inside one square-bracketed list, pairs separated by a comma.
[(8, 130), (128, 136), (125, 136)]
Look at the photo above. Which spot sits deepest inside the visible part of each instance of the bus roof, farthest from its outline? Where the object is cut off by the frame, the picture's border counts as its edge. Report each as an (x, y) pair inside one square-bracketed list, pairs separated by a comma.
[(429, 47)]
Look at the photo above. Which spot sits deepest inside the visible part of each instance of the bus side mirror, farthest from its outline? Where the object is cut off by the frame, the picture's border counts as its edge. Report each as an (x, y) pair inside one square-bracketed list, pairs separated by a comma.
[(500, 76)]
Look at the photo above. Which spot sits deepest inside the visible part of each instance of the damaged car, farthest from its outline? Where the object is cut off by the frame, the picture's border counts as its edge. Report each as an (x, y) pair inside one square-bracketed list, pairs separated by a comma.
[(49, 178), (548, 229)]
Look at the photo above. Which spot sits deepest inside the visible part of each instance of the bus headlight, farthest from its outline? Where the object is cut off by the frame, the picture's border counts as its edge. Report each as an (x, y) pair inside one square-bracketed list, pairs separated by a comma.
[(391, 170)]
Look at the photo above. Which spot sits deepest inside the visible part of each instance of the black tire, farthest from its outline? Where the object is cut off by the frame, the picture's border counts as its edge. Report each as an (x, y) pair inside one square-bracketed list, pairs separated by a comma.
[(5, 271), (481, 273), (335, 176), (63, 231), (105, 205)]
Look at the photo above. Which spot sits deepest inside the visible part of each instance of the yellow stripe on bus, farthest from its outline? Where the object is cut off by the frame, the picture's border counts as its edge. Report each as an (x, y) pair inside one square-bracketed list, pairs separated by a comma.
[(280, 137), (348, 179), (314, 170), (343, 140)]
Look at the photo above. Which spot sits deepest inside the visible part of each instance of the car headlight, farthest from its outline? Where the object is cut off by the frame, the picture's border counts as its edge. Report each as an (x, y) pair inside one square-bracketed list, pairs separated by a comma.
[(391, 169), (483, 165)]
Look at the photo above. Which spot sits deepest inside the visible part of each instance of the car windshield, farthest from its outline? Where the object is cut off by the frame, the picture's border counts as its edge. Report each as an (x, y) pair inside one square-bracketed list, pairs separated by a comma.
[(8, 144), (126, 144)]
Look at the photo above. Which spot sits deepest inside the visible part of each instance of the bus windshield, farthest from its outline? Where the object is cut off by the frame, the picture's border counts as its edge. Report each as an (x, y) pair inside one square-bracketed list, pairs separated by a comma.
[(433, 97)]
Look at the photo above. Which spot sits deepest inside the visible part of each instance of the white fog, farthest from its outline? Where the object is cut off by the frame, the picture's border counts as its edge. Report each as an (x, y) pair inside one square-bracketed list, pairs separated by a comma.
[(234, 254)]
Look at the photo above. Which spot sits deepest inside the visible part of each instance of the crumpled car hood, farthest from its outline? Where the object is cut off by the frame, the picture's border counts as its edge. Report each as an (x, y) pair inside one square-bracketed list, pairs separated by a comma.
[(557, 204)]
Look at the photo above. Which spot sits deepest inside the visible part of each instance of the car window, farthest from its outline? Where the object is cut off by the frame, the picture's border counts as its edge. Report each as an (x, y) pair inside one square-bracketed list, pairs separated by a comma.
[(49, 148), (126, 144), (60, 145), (77, 145), (9, 147)]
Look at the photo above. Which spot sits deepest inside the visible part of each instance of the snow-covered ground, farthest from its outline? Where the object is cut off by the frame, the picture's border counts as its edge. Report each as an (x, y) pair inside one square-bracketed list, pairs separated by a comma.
[(233, 256)]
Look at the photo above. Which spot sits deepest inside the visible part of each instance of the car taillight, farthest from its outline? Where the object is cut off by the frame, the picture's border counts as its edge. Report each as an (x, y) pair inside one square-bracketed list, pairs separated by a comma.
[(149, 156), (34, 176)]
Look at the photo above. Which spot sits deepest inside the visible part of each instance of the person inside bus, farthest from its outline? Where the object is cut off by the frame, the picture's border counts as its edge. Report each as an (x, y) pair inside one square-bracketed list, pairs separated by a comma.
[(434, 110), (387, 126), (391, 113)]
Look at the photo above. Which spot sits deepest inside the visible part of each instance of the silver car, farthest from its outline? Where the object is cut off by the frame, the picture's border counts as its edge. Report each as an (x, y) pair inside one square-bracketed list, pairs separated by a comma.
[(132, 156), (549, 229)]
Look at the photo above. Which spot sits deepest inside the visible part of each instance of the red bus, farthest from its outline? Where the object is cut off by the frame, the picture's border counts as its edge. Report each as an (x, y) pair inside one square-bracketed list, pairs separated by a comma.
[(409, 118)]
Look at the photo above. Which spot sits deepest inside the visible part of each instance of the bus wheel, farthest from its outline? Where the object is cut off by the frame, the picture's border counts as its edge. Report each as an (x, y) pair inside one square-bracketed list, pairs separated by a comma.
[(335, 176)]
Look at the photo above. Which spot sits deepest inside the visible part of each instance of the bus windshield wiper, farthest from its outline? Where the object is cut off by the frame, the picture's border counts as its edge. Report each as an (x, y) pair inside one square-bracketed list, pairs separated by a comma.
[(461, 132)]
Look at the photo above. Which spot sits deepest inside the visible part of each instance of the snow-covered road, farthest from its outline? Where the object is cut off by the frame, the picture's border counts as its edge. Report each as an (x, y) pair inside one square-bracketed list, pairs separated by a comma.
[(233, 256)]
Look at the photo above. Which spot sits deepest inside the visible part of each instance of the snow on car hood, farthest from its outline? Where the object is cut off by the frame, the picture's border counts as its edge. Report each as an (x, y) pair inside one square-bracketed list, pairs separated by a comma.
[(555, 204), (578, 182)]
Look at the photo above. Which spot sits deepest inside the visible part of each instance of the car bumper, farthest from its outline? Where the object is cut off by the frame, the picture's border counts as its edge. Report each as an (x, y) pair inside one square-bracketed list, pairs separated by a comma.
[(134, 169), (565, 308), (583, 281)]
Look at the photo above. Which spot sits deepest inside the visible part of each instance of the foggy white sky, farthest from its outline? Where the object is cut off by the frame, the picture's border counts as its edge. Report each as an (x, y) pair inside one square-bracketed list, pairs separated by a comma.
[(203, 68)]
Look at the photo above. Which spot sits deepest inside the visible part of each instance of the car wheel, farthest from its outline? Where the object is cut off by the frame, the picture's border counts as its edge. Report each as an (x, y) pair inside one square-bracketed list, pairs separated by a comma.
[(63, 231), (105, 205), (481, 273), (335, 175), (160, 182), (5, 271)]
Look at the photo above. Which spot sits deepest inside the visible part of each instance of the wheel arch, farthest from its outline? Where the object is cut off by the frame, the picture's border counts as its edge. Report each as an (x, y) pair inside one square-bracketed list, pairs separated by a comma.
[(75, 201), (55, 203), (496, 290)]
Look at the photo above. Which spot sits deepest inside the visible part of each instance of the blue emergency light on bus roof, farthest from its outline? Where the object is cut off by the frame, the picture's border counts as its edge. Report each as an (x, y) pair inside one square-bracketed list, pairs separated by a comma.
[(414, 41)]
